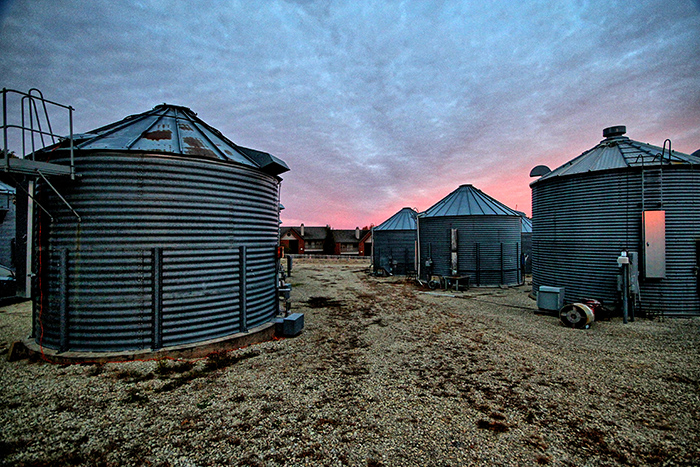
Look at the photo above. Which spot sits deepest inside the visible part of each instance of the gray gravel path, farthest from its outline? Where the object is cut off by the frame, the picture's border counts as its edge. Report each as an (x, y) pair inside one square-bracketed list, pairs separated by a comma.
[(383, 375)]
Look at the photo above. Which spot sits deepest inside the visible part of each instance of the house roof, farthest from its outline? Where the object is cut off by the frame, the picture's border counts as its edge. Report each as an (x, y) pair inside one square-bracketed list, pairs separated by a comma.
[(468, 201), (405, 219), (617, 152), (348, 236), (173, 129), (310, 233)]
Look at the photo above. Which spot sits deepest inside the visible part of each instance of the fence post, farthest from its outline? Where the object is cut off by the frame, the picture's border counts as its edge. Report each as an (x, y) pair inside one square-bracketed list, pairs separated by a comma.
[(503, 274), (157, 255), (243, 282), (63, 301)]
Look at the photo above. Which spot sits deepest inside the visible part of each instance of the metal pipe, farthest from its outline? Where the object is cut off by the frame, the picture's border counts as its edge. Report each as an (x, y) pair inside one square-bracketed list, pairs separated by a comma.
[(5, 152), (59, 195), (418, 256), (30, 238), (72, 161)]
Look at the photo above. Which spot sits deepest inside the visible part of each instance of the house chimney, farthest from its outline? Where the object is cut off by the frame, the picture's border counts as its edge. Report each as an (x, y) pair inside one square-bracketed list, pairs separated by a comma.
[(302, 230), (357, 233)]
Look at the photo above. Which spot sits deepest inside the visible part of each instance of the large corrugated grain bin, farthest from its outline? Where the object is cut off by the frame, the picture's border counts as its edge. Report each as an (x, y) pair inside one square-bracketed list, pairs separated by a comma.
[(468, 233), (394, 243), (167, 236), (620, 196)]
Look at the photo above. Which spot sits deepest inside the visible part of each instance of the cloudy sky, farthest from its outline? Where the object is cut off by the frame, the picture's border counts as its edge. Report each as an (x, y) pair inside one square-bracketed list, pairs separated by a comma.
[(375, 105)]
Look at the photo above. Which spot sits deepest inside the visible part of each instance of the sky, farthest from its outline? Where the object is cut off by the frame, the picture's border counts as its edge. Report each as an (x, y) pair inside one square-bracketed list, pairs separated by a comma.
[(375, 105)]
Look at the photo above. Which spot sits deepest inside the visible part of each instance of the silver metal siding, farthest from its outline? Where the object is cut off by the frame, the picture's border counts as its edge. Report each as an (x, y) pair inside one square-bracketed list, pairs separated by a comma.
[(582, 223), (397, 245), (199, 212), (479, 247)]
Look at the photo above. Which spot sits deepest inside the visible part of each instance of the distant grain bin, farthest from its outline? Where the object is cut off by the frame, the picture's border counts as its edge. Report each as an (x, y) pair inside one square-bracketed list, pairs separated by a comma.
[(394, 243), (167, 236), (621, 195), (7, 225), (468, 233), (526, 243)]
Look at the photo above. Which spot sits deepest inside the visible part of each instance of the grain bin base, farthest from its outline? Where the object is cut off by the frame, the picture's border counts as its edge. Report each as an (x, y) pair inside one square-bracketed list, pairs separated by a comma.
[(263, 333)]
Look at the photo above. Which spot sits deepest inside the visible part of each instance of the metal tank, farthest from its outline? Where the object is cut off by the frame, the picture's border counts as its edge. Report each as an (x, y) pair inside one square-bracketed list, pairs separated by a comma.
[(526, 243), (620, 196), (167, 236), (468, 233), (7, 225), (394, 244)]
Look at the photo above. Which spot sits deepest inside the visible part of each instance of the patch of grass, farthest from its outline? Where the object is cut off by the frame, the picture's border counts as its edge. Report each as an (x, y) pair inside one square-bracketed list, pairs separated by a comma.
[(95, 369), (322, 302), (493, 425), (132, 376), (224, 358), (134, 397), (166, 367)]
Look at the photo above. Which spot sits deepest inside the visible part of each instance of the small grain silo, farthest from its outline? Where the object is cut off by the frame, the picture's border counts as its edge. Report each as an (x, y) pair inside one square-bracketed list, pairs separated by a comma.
[(468, 233), (394, 243), (167, 236), (620, 196)]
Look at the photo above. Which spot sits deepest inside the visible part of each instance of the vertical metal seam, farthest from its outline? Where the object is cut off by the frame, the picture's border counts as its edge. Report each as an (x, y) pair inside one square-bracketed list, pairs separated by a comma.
[(244, 288), (63, 301), (157, 254)]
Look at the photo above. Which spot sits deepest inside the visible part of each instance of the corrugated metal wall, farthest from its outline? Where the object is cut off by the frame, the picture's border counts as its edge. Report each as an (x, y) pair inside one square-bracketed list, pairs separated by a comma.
[(156, 260), (488, 247), (582, 223), (394, 250), (7, 229)]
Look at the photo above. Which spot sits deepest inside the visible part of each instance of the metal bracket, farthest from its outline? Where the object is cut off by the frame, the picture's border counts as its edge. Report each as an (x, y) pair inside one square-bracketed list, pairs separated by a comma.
[(59, 195)]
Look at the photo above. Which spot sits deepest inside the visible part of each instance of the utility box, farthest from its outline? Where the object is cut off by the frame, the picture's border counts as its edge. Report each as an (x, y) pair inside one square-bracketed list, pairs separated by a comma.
[(290, 326), (550, 298)]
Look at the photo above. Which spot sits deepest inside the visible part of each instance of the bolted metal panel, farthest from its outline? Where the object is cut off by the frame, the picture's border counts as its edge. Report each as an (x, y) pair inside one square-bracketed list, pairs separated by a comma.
[(582, 222), (395, 249), (488, 247), (199, 212)]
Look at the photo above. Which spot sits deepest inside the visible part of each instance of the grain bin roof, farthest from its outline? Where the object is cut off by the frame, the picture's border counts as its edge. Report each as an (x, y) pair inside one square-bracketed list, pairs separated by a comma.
[(405, 219), (618, 152), (174, 129), (5, 188), (469, 201), (526, 225)]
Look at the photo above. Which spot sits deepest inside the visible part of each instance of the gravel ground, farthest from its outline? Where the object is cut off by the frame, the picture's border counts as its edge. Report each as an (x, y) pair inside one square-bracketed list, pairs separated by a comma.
[(383, 375)]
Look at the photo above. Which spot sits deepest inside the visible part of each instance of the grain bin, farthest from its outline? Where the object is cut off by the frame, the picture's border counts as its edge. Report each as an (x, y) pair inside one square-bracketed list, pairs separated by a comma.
[(7, 225), (620, 196), (468, 233), (394, 243), (168, 236), (526, 243)]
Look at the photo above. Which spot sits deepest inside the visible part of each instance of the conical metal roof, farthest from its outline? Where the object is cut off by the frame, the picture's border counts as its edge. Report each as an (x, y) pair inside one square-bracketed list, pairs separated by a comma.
[(469, 201), (618, 152), (526, 226), (174, 129), (405, 219)]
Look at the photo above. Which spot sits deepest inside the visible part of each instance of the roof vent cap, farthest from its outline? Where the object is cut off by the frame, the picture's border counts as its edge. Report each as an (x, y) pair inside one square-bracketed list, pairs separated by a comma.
[(612, 131)]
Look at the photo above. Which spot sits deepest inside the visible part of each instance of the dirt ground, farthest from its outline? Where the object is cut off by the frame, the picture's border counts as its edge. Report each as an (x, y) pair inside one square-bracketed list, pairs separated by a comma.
[(384, 374)]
